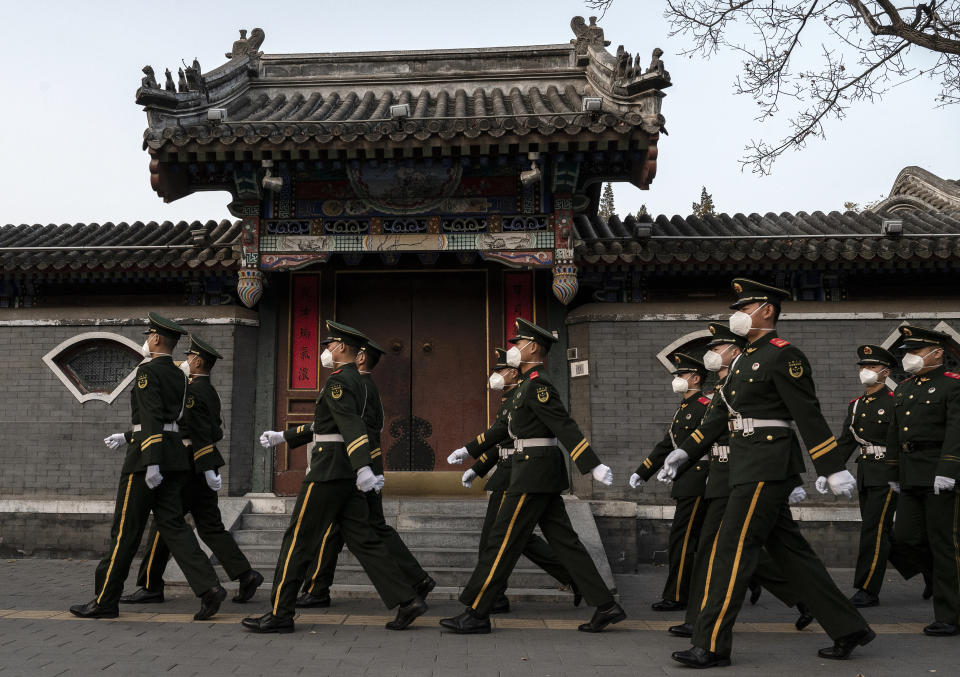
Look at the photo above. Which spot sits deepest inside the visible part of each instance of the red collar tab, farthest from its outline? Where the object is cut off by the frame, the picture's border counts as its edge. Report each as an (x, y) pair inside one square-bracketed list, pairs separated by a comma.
[(337, 371), (703, 400), (854, 399), (950, 374), (779, 342), (890, 393), (534, 374)]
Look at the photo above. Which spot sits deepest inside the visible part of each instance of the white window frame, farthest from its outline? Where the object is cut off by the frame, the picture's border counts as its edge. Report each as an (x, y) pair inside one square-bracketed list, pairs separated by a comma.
[(664, 355), (51, 356)]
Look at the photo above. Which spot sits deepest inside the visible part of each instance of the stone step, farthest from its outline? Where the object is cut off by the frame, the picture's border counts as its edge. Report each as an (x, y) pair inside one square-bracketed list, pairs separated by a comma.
[(428, 557), (414, 539), (439, 507)]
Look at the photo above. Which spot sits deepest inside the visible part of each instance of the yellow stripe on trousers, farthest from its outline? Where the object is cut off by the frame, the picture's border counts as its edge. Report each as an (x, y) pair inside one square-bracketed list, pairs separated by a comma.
[(686, 540), (706, 585), (503, 546), (876, 549), (293, 543), (956, 542), (736, 566), (153, 551), (116, 546), (323, 545)]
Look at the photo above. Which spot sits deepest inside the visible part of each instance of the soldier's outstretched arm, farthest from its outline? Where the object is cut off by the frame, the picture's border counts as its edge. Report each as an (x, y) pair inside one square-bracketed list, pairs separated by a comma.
[(150, 404), (198, 420), (949, 465), (488, 439), (713, 425), (654, 461), (547, 407), (892, 457), (299, 435), (345, 409), (485, 463), (847, 445)]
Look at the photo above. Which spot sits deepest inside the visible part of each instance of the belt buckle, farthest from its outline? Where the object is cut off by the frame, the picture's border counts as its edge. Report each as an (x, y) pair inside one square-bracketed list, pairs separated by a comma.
[(747, 427)]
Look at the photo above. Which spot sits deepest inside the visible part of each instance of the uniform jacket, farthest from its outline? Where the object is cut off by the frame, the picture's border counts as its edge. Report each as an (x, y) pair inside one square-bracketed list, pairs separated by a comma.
[(157, 398), (869, 416), (372, 416), (772, 379), (339, 411), (691, 478), (202, 424), (718, 483), (923, 440), (500, 480)]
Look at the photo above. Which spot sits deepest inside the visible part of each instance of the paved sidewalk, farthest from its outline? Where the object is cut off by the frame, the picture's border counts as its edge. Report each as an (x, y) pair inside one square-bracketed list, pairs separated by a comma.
[(39, 637)]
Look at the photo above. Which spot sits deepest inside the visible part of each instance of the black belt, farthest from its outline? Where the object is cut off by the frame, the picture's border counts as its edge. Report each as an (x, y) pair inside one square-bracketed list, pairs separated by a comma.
[(909, 447)]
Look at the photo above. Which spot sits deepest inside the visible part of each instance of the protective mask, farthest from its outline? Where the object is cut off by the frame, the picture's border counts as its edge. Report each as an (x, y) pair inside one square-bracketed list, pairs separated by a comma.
[(513, 357), (145, 348), (185, 368), (741, 323), (679, 385), (713, 361), (868, 377), (326, 359), (496, 382), (912, 363)]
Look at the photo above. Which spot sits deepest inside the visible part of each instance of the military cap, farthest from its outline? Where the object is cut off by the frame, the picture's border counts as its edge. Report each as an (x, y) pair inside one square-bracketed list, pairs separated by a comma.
[(200, 347), (750, 291), (349, 335), (373, 348), (720, 333), (872, 354), (527, 330), (158, 324), (501, 359), (912, 337), (683, 362)]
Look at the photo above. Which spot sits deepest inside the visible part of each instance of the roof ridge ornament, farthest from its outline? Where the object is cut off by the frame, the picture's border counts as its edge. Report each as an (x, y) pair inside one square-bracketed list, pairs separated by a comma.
[(587, 35), (245, 45)]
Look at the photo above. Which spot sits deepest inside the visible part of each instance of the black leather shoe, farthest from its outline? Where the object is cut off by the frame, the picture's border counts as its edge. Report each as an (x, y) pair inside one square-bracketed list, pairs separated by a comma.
[(424, 587), (940, 629), (467, 623), (249, 582), (602, 619), (210, 603), (696, 657), (501, 606), (755, 592), (307, 599), (806, 617), (927, 586), (668, 605), (577, 595), (143, 596), (862, 598), (268, 623), (407, 613), (843, 647), (93, 610), (685, 630)]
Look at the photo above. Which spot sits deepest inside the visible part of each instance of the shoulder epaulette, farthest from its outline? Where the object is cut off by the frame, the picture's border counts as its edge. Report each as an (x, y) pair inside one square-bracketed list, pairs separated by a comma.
[(779, 342), (950, 374), (534, 374), (703, 399)]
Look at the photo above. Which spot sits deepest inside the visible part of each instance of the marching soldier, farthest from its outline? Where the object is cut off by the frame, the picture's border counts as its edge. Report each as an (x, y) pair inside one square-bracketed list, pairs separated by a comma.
[(500, 456), (201, 430), (154, 472), (316, 591), (689, 485), (865, 434), (923, 446), (770, 389), (538, 423), (339, 466)]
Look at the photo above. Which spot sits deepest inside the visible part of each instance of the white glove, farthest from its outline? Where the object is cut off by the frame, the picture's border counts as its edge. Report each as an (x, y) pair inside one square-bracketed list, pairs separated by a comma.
[(458, 456), (842, 483), (366, 480), (468, 478), (635, 481), (271, 438), (214, 481), (671, 464), (380, 482), (797, 495), (821, 484), (895, 486), (941, 483), (603, 474), (115, 440), (153, 478)]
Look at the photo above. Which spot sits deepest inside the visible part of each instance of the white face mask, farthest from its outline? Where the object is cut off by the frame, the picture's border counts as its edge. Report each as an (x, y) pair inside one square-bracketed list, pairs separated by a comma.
[(679, 385), (496, 381), (145, 348), (326, 359), (868, 377), (913, 363), (713, 360), (185, 368), (741, 323), (514, 356)]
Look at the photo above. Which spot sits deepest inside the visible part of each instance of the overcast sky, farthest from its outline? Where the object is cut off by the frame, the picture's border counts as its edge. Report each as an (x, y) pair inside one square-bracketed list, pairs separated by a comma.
[(71, 132)]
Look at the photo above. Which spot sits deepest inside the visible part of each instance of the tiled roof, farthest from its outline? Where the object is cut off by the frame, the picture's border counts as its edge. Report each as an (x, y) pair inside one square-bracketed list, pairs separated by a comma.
[(135, 246), (916, 188), (827, 239)]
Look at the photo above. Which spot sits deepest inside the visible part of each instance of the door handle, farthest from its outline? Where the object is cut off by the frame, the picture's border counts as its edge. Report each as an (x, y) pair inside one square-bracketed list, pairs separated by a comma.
[(396, 346), (428, 347)]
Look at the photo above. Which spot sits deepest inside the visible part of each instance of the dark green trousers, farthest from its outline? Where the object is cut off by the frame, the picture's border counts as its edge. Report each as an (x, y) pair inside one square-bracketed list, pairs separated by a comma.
[(767, 573), (877, 508), (682, 543), (757, 516), (135, 502), (201, 502), (325, 566), (927, 528), (320, 506), (518, 516)]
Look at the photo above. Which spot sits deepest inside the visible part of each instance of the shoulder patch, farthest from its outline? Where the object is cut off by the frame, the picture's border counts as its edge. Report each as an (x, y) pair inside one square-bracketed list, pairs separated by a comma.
[(534, 374), (779, 342), (543, 394), (703, 400), (142, 381), (950, 374), (336, 391), (190, 401)]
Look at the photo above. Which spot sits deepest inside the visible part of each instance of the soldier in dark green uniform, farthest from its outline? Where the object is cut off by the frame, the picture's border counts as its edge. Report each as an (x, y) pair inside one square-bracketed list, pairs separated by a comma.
[(333, 493), (538, 423), (865, 435), (688, 486), (316, 591), (923, 447), (154, 472), (201, 429), (770, 390), (499, 459), (722, 349)]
